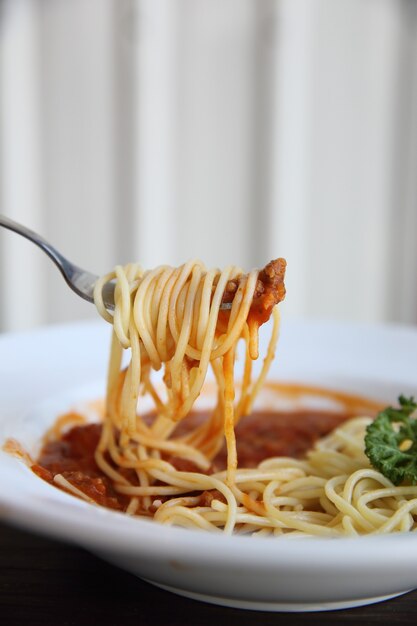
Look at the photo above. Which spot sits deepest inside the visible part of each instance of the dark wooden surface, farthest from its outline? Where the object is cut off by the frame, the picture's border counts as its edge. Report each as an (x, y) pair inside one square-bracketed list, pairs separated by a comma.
[(46, 582)]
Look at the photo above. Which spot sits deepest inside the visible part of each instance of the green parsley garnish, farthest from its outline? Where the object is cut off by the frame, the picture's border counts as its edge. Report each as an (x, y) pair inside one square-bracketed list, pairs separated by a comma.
[(391, 442)]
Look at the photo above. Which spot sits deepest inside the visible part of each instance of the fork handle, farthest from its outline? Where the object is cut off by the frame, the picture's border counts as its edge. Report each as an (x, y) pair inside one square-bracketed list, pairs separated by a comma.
[(69, 271), (53, 254)]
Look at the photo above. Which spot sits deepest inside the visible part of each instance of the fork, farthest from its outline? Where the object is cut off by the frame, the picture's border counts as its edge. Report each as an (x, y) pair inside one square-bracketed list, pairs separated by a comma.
[(80, 281)]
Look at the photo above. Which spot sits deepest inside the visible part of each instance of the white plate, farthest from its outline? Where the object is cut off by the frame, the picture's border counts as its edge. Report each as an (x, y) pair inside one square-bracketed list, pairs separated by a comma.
[(268, 574)]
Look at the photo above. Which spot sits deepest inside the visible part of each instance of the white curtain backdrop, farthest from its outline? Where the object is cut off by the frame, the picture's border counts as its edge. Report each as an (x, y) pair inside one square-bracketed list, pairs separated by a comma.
[(231, 130)]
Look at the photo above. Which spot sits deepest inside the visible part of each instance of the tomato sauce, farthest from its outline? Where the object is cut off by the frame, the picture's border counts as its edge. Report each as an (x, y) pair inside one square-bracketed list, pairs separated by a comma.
[(261, 435), (73, 456), (265, 434)]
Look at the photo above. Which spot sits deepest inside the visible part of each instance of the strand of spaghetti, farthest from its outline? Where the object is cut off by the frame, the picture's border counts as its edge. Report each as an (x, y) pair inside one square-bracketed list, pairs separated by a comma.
[(153, 490), (333, 463), (122, 312), (63, 482), (177, 448), (391, 491), (150, 389), (133, 506), (142, 297), (162, 338), (204, 308), (366, 473), (181, 282), (156, 299), (207, 352), (397, 517), (98, 296), (229, 421), (174, 448), (343, 505), (210, 433), (107, 469), (267, 360), (210, 482), (184, 335), (292, 520), (242, 407), (129, 398), (180, 515), (190, 482), (235, 332), (303, 487), (142, 474)]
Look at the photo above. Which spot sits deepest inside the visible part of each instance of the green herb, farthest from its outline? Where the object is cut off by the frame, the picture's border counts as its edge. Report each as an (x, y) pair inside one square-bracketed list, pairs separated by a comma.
[(391, 442)]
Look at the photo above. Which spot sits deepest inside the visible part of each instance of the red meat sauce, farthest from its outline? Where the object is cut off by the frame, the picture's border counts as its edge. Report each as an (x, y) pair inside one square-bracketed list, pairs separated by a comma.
[(262, 435)]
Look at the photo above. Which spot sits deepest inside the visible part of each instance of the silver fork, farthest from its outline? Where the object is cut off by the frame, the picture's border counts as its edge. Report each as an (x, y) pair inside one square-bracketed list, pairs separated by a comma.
[(80, 281)]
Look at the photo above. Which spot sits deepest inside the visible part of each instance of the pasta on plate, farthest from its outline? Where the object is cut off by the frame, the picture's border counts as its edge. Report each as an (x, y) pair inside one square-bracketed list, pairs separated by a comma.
[(184, 321)]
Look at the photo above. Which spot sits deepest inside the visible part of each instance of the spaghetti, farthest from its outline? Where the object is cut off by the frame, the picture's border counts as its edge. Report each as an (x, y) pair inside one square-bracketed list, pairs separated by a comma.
[(171, 319)]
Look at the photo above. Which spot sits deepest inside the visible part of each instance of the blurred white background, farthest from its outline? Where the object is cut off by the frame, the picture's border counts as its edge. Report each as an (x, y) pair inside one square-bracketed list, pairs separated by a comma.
[(231, 130)]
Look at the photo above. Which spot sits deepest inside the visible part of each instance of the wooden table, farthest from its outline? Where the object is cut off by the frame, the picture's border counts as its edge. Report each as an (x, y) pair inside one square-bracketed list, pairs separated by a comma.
[(45, 582)]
